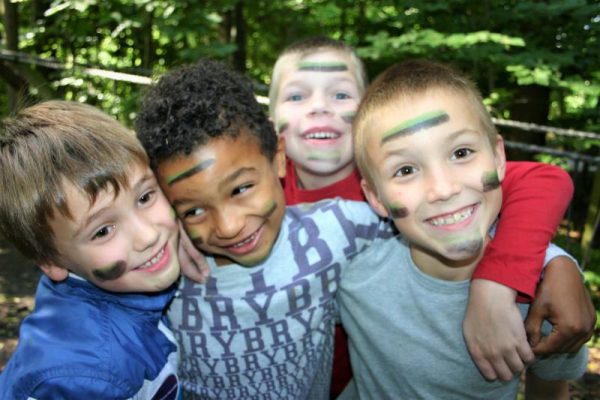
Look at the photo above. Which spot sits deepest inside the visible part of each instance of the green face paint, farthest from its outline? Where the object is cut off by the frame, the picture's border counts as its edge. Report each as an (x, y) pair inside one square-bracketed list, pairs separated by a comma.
[(332, 66), (282, 126), (270, 209), (192, 171), (397, 211), (111, 272), (173, 213), (416, 124), (348, 117), (316, 155), (490, 181)]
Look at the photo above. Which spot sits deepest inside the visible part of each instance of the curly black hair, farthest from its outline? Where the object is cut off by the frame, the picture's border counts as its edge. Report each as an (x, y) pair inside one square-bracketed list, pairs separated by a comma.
[(193, 104)]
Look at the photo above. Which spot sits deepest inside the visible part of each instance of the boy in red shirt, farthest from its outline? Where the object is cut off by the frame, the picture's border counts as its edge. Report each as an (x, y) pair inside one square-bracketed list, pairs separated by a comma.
[(316, 87)]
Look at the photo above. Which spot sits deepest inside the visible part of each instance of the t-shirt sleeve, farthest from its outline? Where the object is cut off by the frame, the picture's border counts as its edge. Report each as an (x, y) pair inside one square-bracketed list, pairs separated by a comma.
[(536, 196)]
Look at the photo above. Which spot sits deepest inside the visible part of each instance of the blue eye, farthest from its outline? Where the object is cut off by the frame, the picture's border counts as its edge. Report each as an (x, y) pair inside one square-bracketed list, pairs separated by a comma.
[(341, 96), (294, 97)]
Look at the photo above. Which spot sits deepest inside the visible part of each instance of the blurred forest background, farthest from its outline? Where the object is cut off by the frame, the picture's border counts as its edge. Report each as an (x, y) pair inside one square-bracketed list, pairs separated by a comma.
[(536, 62)]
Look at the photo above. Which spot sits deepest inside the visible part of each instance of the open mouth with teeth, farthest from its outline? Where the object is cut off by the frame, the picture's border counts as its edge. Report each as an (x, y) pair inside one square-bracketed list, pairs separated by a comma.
[(157, 262), (246, 245), (321, 136), (453, 219)]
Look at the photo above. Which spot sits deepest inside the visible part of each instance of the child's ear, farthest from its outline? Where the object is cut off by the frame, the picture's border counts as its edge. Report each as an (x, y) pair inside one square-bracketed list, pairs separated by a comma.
[(280, 157), (373, 199), (500, 158), (54, 272)]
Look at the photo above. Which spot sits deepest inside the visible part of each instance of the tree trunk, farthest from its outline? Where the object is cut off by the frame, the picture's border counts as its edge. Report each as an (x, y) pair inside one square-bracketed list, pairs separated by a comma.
[(239, 57), (11, 28), (531, 104)]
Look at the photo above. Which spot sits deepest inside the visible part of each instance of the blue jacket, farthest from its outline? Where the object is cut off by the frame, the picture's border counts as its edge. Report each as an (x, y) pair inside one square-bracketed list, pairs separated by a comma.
[(82, 342)]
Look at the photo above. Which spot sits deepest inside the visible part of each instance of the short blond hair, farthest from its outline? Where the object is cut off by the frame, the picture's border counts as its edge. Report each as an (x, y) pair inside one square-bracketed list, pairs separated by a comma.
[(46, 145), (406, 80), (297, 51)]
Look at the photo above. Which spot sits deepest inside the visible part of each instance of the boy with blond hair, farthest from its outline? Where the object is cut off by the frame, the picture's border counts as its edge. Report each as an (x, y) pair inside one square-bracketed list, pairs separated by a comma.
[(78, 198), (315, 89), (432, 162)]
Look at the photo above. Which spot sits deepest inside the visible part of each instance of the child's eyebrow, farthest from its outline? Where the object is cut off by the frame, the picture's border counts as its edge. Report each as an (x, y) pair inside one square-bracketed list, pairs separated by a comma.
[(192, 171), (423, 121), (322, 66)]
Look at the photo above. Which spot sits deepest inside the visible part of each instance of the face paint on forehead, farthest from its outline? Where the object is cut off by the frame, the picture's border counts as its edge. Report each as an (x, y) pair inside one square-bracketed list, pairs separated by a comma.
[(490, 181), (317, 155), (322, 66), (423, 121), (348, 116), (194, 170), (112, 272)]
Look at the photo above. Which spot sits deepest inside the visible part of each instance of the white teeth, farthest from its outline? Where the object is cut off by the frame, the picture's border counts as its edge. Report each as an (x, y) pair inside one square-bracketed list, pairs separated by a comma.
[(452, 218), (245, 241), (153, 260), (322, 135)]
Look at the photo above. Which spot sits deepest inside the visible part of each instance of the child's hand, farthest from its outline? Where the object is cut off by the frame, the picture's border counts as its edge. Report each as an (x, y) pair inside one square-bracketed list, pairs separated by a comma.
[(494, 331), (192, 262), (564, 301)]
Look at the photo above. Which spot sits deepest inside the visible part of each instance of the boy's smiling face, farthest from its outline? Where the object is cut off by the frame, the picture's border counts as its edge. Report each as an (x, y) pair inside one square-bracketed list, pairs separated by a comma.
[(316, 102), (436, 175), (123, 243), (228, 195)]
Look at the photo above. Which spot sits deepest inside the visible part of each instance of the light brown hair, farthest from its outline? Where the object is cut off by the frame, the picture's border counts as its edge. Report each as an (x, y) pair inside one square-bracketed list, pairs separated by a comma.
[(407, 80), (46, 145)]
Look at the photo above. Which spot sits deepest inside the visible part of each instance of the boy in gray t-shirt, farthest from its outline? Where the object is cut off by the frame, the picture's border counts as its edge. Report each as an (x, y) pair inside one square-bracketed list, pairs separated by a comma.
[(432, 162)]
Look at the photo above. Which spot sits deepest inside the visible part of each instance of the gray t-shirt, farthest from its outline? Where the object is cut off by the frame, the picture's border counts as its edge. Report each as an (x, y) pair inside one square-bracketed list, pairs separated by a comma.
[(405, 333), (266, 332)]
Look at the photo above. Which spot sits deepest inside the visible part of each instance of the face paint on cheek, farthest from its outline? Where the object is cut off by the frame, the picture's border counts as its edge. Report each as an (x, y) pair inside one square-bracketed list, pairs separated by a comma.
[(194, 235), (348, 117), (173, 214), (316, 155), (282, 126), (397, 211), (490, 181), (111, 272), (333, 66), (270, 209)]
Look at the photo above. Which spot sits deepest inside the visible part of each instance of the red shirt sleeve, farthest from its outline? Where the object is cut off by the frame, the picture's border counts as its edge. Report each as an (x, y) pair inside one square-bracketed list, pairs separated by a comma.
[(536, 196)]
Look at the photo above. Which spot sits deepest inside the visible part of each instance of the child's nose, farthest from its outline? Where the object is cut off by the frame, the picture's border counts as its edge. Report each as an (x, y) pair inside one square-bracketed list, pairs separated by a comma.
[(442, 184), (144, 232), (319, 104), (228, 224)]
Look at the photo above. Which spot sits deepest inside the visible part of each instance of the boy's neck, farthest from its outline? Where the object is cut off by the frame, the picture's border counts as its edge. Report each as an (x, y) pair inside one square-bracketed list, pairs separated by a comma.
[(309, 181)]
